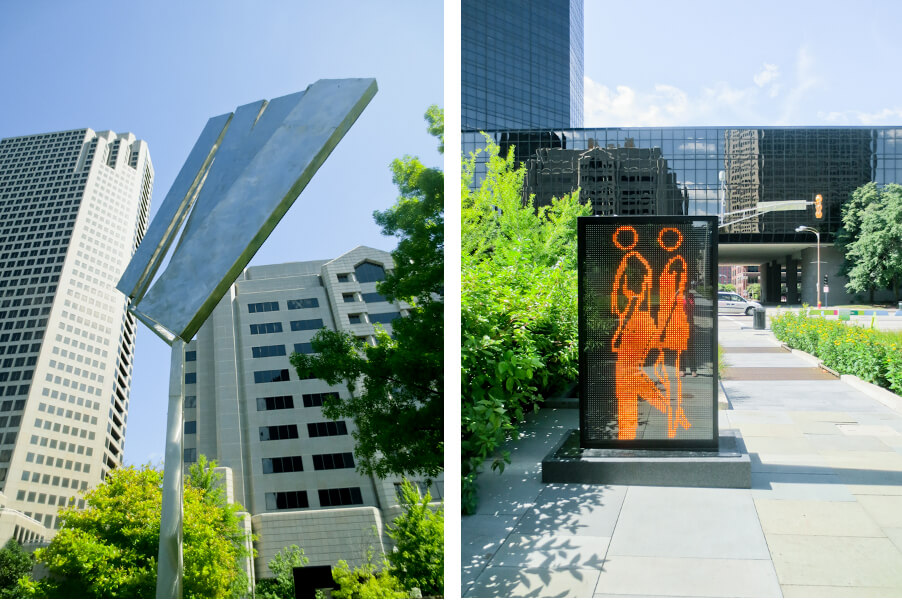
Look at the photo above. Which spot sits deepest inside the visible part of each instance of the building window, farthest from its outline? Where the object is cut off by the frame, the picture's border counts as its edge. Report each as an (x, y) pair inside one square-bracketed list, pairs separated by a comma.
[(283, 464), (311, 400), (344, 277), (190, 401), (265, 351), (340, 497), (373, 297), (271, 376), (190, 455), (266, 328), (190, 427), (303, 303), (259, 307), (278, 432), (326, 429), (304, 348), (286, 500), (422, 487), (191, 355), (348, 298), (384, 317), (275, 403), (306, 324), (190, 377), (367, 272), (355, 319), (326, 462)]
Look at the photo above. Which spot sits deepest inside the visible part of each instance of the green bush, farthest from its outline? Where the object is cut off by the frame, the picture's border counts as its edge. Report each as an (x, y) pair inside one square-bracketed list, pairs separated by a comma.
[(366, 582), (874, 356), (518, 309), (418, 560)]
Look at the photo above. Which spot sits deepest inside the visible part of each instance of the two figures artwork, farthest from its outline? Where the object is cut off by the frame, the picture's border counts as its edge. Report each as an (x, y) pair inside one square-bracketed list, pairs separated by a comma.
[(640, 335)]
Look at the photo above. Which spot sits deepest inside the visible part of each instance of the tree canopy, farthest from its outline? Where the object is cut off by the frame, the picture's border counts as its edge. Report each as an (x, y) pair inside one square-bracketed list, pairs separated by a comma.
[(282, 565), (518, 307), (418, 560), (109, 549), (396, 387), (871, 238), (15, 563)]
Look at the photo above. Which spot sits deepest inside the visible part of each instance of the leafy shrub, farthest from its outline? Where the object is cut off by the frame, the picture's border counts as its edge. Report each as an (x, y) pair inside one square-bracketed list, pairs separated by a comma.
[(874, 356), (366, 582), (518, 309), (418, 560)]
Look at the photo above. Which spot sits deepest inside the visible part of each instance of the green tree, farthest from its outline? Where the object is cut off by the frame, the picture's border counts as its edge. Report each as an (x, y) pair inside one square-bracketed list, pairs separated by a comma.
[(726, 287), (15, 563), (418, 560), (873, 239), (518, 308), (366, 581), (396, 387), (282, 565), (109, 549), (754, 290)]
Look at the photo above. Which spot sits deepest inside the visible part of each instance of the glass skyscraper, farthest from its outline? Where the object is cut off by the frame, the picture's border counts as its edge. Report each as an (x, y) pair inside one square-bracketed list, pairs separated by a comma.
[(521, 64)]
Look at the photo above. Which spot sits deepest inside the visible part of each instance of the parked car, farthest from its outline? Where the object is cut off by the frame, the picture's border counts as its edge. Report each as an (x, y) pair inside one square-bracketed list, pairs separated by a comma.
[(728, 302)]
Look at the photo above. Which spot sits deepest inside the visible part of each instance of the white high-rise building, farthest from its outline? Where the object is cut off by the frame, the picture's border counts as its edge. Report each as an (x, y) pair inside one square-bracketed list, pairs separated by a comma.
[(73, 208), (292, 469)]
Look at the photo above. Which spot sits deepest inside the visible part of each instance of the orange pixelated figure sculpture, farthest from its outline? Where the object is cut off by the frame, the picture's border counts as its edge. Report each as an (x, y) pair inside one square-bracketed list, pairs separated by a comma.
[(636, 335), (639, 334), (673, 325)]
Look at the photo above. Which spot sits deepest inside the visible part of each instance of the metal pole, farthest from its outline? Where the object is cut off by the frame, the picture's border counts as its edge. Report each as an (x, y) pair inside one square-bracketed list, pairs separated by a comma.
[(818, 236), (169, 562)]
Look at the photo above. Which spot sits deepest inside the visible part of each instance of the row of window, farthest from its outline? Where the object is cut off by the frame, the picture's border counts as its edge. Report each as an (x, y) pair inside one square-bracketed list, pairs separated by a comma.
[(258, 307), (290, 432), (328, 497), (302, 325)]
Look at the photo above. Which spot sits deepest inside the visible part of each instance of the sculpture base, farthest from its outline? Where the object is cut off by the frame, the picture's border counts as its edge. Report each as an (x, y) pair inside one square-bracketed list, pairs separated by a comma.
[(727, 467)]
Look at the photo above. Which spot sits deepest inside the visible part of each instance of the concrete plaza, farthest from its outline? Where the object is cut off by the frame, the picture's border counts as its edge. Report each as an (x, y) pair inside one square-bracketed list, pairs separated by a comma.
[(823, 516)]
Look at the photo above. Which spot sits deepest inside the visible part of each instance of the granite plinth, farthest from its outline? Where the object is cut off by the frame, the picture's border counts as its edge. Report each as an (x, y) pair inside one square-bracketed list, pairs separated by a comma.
[(727, 467)]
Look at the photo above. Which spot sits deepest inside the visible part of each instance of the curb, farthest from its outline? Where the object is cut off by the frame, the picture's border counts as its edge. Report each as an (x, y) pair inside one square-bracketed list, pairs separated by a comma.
[(875, 392)]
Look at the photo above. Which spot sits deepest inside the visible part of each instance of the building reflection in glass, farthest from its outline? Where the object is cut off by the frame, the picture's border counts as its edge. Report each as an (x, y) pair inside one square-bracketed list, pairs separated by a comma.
[(706, 170)]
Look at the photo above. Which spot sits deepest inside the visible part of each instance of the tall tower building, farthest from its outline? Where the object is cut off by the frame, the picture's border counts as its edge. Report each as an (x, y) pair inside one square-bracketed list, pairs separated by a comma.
[(73, 207), (521, 64), (292, 469)]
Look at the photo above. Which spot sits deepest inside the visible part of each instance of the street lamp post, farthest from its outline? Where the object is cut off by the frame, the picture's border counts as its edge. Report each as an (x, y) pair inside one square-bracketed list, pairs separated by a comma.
[(817, 281)]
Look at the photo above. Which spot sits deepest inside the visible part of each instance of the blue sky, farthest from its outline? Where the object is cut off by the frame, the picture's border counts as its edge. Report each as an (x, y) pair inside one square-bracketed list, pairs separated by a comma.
[(161, 69), (743, 63)]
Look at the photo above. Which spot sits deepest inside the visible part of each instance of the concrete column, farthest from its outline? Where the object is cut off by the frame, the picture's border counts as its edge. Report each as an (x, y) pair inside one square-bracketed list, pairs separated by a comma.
[(764, 280), (792, 280)]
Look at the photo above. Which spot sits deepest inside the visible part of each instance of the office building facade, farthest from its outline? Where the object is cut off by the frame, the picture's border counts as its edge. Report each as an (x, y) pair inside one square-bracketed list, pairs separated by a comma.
[(73, 208), (730, 171), (292, 469), (521, 64)]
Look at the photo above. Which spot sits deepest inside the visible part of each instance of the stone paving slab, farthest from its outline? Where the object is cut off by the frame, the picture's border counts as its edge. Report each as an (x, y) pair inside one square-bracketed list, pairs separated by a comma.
[(688, 523), (773, 373), (885, 510), (570, 509), (778, 362), (814, 517), (517, 582), (824, 591), (799, 486), (821, 560), (552, 550), (687, 577)]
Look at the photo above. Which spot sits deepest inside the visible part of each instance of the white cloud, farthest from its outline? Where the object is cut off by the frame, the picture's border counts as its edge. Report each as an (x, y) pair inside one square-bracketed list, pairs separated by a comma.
[(768, 75), (665, 105), (886, 116)]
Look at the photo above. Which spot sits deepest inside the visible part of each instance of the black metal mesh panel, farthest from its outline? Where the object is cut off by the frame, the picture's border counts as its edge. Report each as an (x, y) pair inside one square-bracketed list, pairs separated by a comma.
[(647, 330)]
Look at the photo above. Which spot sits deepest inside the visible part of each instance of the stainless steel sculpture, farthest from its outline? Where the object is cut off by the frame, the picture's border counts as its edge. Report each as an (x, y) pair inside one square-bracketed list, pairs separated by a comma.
[(243, 174)]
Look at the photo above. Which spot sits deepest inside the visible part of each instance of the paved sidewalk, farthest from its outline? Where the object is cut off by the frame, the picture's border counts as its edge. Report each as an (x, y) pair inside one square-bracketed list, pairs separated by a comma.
[(823, 517)]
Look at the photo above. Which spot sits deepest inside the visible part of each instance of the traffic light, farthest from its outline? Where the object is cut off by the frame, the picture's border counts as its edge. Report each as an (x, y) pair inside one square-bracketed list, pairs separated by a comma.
[(825, 280), (819, 207)]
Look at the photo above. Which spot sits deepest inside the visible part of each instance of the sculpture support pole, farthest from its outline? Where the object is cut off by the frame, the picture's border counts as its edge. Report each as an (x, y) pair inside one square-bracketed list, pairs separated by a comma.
[(169, 562)]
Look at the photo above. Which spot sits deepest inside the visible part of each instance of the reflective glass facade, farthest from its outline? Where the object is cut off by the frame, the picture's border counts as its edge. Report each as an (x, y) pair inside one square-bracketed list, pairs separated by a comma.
[(521, 64), (708, 171)]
